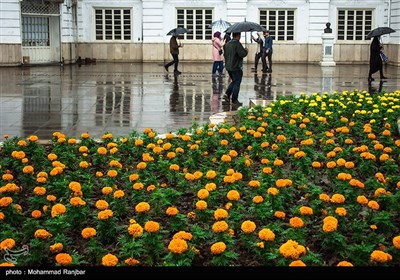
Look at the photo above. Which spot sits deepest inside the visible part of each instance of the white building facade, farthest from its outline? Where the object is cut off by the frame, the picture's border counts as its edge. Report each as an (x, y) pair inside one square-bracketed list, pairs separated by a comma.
[(61, 31)]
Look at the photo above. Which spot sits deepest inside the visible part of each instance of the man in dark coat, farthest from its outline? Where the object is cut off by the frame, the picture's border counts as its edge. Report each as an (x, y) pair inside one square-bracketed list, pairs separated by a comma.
[(375, 61)]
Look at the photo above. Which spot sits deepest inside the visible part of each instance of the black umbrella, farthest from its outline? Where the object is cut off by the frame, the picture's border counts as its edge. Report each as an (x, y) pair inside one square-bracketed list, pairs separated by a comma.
[(245, 26), (380, 31), (219, 24), (179, 30)]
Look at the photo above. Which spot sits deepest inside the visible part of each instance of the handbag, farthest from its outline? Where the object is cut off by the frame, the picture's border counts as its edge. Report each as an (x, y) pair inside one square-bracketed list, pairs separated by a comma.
[(384, 57), (221, 52)]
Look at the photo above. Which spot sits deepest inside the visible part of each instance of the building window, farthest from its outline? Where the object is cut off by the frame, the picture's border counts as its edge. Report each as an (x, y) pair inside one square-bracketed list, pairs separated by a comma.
[(196, 20), (353, 25), (35, 31), (280, 23), (113, 24)]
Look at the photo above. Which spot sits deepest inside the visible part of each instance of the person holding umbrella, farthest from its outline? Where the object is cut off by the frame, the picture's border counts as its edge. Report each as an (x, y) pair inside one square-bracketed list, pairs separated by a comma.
[(174, 50), (234, 53), (375, 61)]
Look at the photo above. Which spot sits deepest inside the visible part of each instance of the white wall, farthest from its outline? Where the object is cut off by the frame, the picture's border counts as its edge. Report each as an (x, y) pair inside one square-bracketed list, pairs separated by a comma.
[(10, 25)]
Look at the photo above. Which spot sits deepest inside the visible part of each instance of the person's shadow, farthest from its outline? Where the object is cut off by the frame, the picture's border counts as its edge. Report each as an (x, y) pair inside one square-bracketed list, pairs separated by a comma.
[(217, 88), (174, 97), (263, 86), (372, 89)]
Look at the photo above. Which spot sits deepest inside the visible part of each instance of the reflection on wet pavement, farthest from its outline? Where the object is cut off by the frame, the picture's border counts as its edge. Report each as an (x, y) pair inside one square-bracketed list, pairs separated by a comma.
[(123, 97)]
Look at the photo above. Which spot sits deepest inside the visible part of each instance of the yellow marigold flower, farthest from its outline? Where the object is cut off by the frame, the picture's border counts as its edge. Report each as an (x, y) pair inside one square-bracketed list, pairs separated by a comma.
[(107, 190), (329, 224), (141, 165), (174, 167), (260, 245), (344, 263), (172, 211), (233, 195), (380, 256), (135, 230), (297, 263), (316, 164), (224, 142), (109, 260), (198, 175), (189, 177), (292, 249), (306, 211), (28, 169), (374, 205), (228, 205), (42, 234), (58, 209), (178, 246), (258, 199), (218, 248), (396, 241), (201, 205), (56, 248), (151, 226), (267, 170), (7, 243), (373, 227), (210, 187), (226, 158), (266, 234), (296, 222), (112, 173), (88, 232), (39, 191), (119, 194), (361, 199), (132, 261), (248, 226), (105, 214), (211, 174), (101, 204), (36, 214)]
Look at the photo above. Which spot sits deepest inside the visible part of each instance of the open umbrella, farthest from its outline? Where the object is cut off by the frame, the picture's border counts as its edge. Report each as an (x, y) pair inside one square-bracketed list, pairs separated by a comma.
[(219, 24), (179, 30), (245, 26), (380, 31)]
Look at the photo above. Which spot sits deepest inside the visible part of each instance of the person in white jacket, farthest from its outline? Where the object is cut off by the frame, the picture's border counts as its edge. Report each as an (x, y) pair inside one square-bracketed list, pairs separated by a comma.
[(217, 53)]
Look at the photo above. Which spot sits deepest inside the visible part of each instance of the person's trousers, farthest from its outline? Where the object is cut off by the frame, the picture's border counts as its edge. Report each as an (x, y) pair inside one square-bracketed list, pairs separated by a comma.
[(175, 61), (257, 57), (264, 61), (234, 87), (218, 65)]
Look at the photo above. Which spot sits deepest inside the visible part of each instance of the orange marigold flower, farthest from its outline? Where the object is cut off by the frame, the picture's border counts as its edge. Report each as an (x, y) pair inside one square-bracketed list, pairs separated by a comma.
[(201, 205), (39, 191), (109, 260), (36, 214), (329, 224), (306, 211), (266, 234), (88, 232), (42, 234), (51, 198), (77, 201), (396, 241), (361, 199), (297, 263), (324, 197), (258, 199), (341, 211), (267, 170), (380, 256), (279, 214), (296, 222), (101, 204), (220, 226), (119, 194), (135, 230), (203, 194), (183, 235), (178, 246), (151, 226), (233, 195), (344, 263), (63, 259), (374, 205), (56, 248), (248, 226), (105, 214), (254, 184), (142, 207), (58, 209), (7, 243), (337, 198), (131, 261), (172, 211), (220, 214), (218, 248), (292, 249)]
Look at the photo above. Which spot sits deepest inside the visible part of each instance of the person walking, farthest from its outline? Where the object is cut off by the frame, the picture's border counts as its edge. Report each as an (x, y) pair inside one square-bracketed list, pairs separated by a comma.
[(174, 50), (217, 50), (234, 54), (259, 52), (267, 53), (375, 61)]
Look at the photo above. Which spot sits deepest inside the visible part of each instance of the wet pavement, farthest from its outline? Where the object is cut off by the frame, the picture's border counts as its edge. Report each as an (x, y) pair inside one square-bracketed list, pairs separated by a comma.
[(123, 97)]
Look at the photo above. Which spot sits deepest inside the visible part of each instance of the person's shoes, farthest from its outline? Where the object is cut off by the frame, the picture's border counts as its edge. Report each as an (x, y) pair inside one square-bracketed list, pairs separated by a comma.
[(269, 70), (226, 98), (253, 69), (237, 103), (383, 78), (265, 70), (177, 72), (370, 79), (166, 68)]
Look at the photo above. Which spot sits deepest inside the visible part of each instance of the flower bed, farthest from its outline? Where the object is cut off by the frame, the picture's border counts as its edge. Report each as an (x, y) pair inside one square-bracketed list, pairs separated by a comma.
[(311, 180)]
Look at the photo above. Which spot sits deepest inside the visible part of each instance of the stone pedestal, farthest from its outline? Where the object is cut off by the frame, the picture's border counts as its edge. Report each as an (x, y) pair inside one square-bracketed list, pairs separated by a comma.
[(327, 50)]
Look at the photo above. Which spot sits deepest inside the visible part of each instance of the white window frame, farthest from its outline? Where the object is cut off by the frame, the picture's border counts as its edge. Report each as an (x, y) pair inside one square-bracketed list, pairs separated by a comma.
[(201, 18), (280, 23), (356, 29), (111, 25)]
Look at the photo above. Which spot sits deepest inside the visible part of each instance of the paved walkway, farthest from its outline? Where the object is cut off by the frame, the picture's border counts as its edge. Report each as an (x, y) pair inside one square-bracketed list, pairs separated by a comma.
[(122, 97)]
